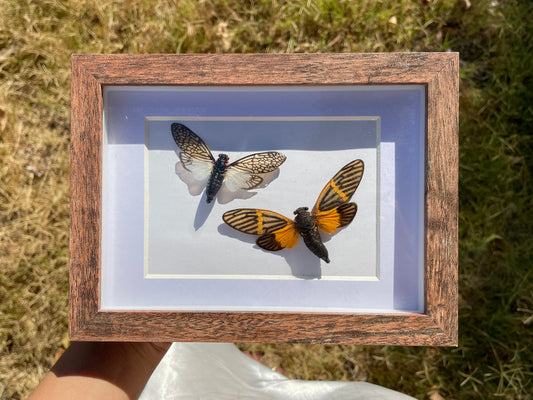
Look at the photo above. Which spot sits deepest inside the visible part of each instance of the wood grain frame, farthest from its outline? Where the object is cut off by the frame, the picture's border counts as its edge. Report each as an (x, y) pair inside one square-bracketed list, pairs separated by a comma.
[(438, 72)]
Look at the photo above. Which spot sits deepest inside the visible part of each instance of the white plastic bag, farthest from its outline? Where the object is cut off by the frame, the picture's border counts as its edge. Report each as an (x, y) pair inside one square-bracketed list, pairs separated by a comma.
[(220, 371)]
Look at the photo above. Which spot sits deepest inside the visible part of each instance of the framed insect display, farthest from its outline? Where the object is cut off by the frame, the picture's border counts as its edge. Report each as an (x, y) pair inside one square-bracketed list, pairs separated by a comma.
[(234, 197)]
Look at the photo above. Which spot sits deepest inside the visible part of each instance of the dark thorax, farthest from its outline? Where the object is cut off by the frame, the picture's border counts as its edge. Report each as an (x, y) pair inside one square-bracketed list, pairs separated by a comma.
[(305, 223), (217, 177)]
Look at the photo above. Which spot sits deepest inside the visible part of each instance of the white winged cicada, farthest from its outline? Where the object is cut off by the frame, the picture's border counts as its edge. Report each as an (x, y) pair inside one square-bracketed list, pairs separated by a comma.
[(244, 173), (331, 211)]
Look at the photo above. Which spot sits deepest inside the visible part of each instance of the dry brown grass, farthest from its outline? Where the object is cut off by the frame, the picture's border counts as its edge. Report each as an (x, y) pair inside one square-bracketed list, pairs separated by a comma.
[(33, 242), (37, 38)]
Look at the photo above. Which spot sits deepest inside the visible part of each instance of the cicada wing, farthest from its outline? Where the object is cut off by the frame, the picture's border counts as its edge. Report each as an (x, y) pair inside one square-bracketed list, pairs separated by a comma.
[(340, 188), (243, 173), (235, 179), (285, 237), (255, 221), (336, 218), (200, 169), (259, 163), (190, 143)]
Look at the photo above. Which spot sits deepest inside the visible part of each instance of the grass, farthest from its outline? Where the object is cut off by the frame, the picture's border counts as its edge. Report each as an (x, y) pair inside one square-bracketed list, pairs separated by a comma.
[(495, 38)]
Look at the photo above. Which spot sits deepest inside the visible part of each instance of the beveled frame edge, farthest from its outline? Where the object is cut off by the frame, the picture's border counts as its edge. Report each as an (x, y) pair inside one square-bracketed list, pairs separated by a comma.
[(439, 72)]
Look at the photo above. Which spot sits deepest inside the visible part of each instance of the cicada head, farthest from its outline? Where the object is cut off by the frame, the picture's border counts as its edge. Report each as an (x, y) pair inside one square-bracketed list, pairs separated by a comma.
[(301, 211), (223, 159)]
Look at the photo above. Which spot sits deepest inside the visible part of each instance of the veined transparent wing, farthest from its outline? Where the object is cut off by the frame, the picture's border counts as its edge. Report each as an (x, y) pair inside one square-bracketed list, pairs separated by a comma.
[(245, 172), (195, 156), (200, 169), (259, 163), (190, 143)]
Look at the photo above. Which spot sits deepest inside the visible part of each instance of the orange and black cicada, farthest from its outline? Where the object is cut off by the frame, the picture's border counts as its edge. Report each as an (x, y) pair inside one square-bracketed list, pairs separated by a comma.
[(244, 173), (331, 211)]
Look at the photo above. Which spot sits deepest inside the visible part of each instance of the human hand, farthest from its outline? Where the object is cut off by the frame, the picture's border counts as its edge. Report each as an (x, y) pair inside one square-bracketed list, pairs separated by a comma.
[(97, 370)]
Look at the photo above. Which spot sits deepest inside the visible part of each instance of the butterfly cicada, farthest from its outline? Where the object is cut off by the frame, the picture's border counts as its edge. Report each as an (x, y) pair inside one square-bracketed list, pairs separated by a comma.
[(330, 212), (244, 173)]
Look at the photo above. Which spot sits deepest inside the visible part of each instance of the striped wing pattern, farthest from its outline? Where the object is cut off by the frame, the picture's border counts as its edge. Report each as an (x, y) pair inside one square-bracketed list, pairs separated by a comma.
[(191, 143), (340, 188), (285, 237), (330, 221), (255, 221), (277, 232)]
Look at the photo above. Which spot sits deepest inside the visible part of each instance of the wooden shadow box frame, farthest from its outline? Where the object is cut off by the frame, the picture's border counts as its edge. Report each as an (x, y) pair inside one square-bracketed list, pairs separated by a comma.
[(435, 324)]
